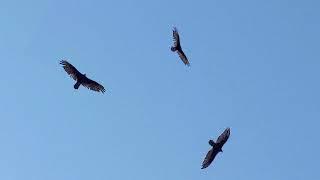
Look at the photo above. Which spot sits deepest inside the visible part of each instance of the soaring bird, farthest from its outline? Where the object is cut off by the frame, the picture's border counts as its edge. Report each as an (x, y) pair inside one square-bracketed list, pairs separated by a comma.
[(177, 47), (81, 78), (216, 148)]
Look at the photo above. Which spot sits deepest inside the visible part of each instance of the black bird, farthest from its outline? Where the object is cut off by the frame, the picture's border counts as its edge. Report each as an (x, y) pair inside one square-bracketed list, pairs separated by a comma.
[(216, 148), (81, 78), (177, 47)]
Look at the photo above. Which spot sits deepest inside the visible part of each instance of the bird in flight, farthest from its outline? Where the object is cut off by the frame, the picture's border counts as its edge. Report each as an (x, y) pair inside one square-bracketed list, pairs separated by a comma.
[(177, 47), (81, 78), (216, 148)]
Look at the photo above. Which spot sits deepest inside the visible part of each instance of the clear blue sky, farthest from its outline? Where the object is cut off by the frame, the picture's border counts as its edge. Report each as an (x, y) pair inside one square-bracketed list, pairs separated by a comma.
[(254, 68)]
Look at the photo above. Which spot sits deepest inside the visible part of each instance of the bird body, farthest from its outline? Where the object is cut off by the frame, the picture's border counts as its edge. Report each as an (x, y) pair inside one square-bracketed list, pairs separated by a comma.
[(81, 78), (216, 148), (177, 47)]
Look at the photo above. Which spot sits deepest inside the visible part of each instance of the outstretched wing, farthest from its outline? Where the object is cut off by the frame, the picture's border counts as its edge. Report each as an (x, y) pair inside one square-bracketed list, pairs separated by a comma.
[(70, 69), (209, 158), (176, 39), (223, 137), (90, 84), (183, 57)]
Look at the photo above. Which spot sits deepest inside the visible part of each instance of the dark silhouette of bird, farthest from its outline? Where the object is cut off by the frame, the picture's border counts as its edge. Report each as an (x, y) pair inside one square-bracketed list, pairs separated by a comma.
[(177, 47), (216, 148), (81, 78)]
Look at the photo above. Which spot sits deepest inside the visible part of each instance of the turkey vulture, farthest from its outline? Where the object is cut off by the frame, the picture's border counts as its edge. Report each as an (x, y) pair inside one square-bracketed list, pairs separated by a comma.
[(81, 78), (216, 148), (177, 47)]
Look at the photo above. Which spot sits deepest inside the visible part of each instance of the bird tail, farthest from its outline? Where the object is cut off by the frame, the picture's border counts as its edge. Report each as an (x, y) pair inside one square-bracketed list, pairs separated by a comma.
[(76, 86)]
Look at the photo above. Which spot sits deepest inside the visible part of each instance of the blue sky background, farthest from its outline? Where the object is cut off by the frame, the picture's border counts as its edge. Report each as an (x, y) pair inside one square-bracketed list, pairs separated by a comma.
[(254, 68)]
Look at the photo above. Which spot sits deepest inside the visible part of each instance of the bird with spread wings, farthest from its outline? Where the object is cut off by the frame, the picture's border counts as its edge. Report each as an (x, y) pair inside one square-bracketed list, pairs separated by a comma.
[(81, 78), (177, 47), (216, 148)]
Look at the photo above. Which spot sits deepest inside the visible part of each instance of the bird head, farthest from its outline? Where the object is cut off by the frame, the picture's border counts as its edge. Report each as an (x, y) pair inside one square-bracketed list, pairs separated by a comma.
[(173, 48), (211, 142)]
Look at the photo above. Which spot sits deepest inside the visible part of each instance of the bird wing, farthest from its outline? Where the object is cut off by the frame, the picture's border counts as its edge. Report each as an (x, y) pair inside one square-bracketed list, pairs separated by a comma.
[(223, 137), (93, 85), (209, 158), (70, 69), (183, 57), (176, 39)]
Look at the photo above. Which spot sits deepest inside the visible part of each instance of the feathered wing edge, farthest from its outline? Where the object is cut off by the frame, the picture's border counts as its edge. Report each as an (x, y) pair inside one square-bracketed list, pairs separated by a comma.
[(212, 153), (70, 69), (93, 85), (224, 136), (184, 58), (176, 38)]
